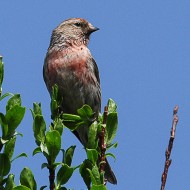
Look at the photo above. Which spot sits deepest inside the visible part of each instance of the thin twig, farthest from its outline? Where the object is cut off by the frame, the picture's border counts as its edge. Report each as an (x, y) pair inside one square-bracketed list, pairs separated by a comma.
[(51, 178), (169, 149), (102, 141)]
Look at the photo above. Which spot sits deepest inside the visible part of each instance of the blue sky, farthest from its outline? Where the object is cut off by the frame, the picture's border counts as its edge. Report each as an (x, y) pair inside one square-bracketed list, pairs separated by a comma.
[(142, 51)]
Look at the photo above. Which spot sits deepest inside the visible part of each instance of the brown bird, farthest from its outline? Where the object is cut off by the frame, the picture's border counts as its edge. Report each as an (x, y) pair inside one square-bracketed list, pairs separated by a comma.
[(70, 65)]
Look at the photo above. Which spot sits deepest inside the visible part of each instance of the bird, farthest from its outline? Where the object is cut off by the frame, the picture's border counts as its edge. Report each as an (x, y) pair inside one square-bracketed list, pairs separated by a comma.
[(70, 65)]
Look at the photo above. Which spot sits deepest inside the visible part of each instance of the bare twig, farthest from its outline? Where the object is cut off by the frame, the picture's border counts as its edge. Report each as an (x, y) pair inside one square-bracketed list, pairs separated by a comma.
[(169, 149), (102, 141)]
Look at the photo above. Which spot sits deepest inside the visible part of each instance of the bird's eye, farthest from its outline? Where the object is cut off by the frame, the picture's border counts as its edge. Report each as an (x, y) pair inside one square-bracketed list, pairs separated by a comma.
[(78, 24)]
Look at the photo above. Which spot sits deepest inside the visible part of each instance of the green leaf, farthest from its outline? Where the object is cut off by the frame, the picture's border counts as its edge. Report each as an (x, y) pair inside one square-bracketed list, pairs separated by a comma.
[(56, 95), (53, 166), (102, 178), (64, 174), (21, 187), (93, 179), (112, 155), (13, 117), (20, 134), (63, 188), (53, 143), (27, 179), (37, 150), (84, 172), (44, 150), (39, 128), (68, 156), (92, 136), (111, 127), (92, 155), (112, 145), (95, 175), (86, 113), (58, 125), (5, 164), (56, 100), (54, 109), (10, 182), (43, 187), (112, 107), (72, 121), (13, 101), (9, 147), (4, 125), (63, 152), (98, 187), (44, 165), (2, 141), (56, 164), (36, 109), (5, 95), (71, 117), (19, 156)]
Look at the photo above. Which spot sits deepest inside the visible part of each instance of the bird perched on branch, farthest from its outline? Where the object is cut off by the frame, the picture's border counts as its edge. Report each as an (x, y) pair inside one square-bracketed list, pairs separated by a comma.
[(70, 65)]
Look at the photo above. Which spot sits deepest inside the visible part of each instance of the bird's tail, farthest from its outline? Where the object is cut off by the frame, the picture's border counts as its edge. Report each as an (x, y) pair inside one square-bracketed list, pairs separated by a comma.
[(109, 175)]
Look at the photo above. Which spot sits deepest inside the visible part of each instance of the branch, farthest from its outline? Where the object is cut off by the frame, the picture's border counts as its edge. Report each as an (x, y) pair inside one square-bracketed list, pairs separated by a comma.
[(51, 176), (102, 141), (169, 149), (51, 179)]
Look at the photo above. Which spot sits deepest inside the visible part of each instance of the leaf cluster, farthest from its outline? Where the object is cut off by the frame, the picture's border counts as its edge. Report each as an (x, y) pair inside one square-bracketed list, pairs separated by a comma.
[(48, 142), (9, 121)]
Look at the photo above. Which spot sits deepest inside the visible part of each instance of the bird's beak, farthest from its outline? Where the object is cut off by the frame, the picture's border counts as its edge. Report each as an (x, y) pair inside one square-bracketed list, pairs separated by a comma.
[(92, 29)]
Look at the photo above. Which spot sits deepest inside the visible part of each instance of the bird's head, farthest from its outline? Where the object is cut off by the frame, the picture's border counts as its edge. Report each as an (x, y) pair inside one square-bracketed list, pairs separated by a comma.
[(75, 29)]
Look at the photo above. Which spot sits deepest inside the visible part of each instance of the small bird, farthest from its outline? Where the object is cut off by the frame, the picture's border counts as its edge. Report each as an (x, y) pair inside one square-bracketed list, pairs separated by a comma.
[(70, 65)]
